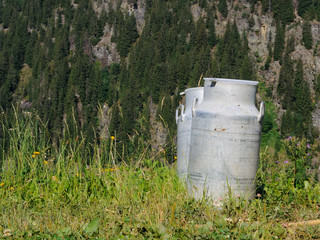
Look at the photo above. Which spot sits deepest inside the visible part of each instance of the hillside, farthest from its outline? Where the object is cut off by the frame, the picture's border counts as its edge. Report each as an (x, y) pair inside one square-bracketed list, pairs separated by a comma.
[(105, 68)]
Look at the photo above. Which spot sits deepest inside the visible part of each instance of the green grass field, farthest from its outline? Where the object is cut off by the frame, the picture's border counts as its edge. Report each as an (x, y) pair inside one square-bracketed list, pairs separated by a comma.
[(49, 192)]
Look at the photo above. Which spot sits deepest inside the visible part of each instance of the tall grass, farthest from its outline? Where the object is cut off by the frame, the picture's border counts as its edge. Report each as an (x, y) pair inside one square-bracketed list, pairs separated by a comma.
[(62, 192)]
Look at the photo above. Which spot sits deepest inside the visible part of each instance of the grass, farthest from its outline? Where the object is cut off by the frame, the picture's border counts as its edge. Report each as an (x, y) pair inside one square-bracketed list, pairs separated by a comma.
[(62, 192)]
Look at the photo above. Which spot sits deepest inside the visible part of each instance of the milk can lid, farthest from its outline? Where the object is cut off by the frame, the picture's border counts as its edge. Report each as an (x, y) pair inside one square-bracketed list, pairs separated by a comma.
[(236, 81)]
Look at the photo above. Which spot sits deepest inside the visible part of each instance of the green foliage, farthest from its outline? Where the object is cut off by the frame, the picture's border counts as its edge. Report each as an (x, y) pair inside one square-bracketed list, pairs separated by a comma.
[(279, 42), (282, 11), (309, 9), (232, 59), (307, 35), (125, 32), (317, 87), (285, 84), (223, 8), (297, 98), (295, 175)]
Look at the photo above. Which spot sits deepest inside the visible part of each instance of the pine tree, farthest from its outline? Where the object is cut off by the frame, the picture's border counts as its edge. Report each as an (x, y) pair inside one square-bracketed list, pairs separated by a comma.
[(212, 38), (279, 42), (307, 35), (223, 8)]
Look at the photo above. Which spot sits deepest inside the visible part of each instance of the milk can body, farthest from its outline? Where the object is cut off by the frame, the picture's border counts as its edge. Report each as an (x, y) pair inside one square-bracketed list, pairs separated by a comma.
[(194, 96), (225, 140)]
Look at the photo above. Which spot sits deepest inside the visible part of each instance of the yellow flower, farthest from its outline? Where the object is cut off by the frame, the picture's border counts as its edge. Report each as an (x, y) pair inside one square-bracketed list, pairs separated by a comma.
[(45, 162), (175, 157), (11, 188), (1, 184), (33, 156), (36, 153), (112, 137)]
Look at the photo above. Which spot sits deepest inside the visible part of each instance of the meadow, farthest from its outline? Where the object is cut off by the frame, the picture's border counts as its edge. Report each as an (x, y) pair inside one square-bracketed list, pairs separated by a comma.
[(50, 191)]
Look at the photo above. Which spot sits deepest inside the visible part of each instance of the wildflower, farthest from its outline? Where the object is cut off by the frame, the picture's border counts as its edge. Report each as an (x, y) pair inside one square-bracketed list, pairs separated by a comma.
[(54, 178), (36, 153), (112, 137), (286, 161), (7, 233), (164, 152), (258, 195), (11, 188), (308, 154), (308, 146), (33, 155), (175, 157), (1, 184), (45, 162), (277, 162), (238, 196)]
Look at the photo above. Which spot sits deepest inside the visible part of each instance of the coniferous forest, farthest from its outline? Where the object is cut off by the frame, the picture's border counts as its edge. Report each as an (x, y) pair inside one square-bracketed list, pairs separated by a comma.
[(47, 65)]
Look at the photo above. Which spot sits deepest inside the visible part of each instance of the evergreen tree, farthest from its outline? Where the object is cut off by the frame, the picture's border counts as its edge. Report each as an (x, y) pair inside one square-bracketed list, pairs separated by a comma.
[(223, 8), (279, 42), (304, 8), (307, 35), (212, 38)]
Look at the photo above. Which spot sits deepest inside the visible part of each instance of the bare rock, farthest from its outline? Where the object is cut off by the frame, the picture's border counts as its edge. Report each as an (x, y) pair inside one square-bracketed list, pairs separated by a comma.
[(106, 51)]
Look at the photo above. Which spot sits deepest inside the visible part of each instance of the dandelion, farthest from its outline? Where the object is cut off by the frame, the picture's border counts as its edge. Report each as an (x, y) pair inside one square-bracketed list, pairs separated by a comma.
[(175, 157), (33, 155), (11, 188), (112, 137), (1, 184), (45, 162), (36, 153)]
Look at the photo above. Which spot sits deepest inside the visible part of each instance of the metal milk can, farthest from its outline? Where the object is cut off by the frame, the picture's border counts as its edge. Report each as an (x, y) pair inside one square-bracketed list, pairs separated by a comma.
[(184, 118), (225, 140)]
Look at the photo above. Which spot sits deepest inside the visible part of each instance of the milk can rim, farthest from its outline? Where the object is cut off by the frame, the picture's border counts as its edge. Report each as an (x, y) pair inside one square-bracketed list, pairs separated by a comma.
[(195, 88), (237, 81)]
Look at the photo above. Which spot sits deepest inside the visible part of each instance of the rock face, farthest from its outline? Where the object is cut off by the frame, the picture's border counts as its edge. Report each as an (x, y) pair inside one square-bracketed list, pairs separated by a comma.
[(106, 50)]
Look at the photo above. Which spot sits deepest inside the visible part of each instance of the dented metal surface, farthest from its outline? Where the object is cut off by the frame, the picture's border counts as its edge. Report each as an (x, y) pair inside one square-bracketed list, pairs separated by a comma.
[(225, 139)]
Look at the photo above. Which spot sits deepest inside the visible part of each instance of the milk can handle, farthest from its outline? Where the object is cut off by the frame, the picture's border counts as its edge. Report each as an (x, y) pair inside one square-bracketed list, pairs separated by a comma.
[(195, 102), (261, 113), (181, 106)]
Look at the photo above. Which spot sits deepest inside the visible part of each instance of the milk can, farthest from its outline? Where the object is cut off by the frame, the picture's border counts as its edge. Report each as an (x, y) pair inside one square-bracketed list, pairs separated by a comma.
[(225, 140), (184, 118)]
